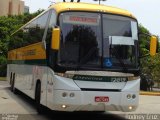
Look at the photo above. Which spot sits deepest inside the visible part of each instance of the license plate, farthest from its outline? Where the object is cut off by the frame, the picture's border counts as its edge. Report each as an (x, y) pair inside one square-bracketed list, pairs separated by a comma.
[(101, 99)]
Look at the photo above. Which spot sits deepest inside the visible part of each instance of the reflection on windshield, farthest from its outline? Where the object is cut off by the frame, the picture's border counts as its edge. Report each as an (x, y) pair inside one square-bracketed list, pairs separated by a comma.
[(82, 44), (79, 44), (118, 42), (124, 53), (117, 26)]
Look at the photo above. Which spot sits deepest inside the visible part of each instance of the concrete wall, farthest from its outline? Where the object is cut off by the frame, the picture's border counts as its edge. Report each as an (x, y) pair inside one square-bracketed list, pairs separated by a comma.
[(21, 10), (14, 7), (4, 7), (11, 7)]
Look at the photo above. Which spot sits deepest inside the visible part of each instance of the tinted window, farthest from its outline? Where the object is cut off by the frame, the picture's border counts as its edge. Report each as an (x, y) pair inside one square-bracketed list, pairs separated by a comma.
[(80, 39), (16, 40), (30, 34), (119, 46), (117, 26)]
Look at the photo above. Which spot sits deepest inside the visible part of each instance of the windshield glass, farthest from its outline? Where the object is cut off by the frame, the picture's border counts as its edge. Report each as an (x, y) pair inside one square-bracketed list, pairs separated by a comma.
[(80, 39), (114, 26), (88, 42), (120, 42)]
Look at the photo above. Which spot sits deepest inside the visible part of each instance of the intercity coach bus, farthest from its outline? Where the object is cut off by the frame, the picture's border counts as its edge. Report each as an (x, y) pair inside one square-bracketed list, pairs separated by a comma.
[(78, 57)]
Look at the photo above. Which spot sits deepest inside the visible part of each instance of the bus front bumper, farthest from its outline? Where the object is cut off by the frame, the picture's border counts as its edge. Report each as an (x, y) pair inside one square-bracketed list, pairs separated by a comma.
[(85, 101)]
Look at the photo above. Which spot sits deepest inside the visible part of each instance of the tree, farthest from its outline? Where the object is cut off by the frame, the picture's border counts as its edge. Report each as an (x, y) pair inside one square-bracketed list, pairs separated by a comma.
[(149, 65), (8, 25)]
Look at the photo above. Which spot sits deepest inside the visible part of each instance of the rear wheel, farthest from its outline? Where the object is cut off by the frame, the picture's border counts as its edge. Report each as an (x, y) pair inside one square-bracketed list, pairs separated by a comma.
[(13, 89), (12, 82), (37, 98)]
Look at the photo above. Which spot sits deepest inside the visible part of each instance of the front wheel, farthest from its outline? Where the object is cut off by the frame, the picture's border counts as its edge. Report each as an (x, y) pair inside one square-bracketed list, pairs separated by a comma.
[(12, 83), (37, 98)]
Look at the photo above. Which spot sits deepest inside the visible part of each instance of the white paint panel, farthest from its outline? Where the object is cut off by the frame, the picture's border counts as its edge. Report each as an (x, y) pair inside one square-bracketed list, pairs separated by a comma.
[(118, 40), (100, 85), (134, 30)]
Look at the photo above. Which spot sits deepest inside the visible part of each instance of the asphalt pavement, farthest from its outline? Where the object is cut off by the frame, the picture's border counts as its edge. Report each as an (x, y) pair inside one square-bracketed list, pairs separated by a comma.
[(20, 107)]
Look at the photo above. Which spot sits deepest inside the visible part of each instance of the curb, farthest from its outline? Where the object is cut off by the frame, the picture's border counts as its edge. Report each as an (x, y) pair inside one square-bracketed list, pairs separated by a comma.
[(3, 79), (150, 93)]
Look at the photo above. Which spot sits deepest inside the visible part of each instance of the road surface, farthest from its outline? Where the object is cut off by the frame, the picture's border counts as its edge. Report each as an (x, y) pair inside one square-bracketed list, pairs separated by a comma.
[(21, 107)]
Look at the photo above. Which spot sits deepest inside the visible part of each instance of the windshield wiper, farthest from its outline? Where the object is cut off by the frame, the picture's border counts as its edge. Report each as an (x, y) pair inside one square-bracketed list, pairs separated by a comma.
[(120, 61)]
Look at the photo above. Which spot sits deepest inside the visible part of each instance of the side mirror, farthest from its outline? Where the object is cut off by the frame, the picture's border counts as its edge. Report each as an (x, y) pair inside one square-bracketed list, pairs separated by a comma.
[(55, 39), (153, 45)]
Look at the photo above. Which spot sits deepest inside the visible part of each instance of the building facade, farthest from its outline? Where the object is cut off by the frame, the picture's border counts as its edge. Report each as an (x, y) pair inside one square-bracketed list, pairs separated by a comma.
[(11, 7)]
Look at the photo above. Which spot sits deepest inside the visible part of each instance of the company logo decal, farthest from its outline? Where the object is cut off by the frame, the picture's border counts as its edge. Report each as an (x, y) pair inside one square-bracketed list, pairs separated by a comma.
[(100, 78)]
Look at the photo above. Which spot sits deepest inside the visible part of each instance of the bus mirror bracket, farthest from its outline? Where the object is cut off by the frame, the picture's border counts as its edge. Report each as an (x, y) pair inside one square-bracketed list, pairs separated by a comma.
[(44, 44), (55, 39)]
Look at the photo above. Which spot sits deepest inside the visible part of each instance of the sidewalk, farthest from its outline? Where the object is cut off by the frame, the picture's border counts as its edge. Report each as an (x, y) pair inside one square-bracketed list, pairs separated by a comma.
[(4, 84), (2, 78), (150, 93), (154, 92), (156, 89)]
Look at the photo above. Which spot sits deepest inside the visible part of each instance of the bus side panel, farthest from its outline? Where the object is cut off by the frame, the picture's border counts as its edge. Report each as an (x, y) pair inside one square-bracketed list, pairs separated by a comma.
[(29, 66), (23, 79), (26, 77)]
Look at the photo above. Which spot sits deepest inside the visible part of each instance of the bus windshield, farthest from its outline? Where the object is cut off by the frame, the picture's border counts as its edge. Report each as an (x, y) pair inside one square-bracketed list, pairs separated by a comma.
[(97, 41)]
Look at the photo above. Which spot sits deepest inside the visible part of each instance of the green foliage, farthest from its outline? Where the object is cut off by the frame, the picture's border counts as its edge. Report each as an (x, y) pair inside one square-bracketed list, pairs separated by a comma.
[(9, 25), (149, 65), (143, 40)]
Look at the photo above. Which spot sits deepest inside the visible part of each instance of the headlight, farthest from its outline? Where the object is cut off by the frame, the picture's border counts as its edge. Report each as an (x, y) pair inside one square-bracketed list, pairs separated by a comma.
[(133, 96), (129, 96), (130, 107), (71, 94), (64, 94)]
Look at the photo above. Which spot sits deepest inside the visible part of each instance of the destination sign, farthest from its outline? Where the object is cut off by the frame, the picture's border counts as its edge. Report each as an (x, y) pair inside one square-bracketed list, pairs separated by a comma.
[(81, 20)]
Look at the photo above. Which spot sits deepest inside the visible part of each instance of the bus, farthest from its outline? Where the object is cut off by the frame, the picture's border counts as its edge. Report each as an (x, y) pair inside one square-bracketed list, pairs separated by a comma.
[(78, 57)]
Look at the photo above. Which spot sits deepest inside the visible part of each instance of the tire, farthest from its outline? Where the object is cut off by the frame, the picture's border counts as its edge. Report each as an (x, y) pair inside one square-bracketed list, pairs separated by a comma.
[(12, 83), (13, 89), (10, 79), (37, 98)]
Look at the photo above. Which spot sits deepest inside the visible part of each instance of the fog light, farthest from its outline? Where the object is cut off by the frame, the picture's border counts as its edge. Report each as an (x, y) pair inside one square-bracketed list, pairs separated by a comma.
[(133, 96), (72, 95), (64, 94), (64, 106), (130, 107), (129, 96)]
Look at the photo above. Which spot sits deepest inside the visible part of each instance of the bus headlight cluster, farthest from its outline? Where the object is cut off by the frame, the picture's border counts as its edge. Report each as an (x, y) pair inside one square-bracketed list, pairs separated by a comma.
[(133, 96), (130, 107), (65, 94), (64, 106), (71, 94), (129, 96)]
